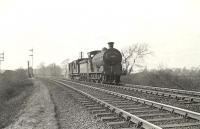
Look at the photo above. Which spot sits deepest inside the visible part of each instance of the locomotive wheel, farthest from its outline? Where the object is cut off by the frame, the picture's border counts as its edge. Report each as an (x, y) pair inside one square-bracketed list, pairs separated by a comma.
[(117, 79), (102, 79)]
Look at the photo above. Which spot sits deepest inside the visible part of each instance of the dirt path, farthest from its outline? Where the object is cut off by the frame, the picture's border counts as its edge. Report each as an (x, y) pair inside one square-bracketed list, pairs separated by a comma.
[(39, 111), (54, 107)]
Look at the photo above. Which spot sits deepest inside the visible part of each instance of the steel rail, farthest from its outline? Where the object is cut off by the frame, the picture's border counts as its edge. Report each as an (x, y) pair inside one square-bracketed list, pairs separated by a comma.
[(180, 111), (145, 124), (166, 89), (155, 92), (151, 90), (194, 93)]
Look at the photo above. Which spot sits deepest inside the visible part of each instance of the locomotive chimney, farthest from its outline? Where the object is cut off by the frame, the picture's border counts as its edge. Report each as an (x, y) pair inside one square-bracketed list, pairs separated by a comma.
[(110, 44), (81, 55)]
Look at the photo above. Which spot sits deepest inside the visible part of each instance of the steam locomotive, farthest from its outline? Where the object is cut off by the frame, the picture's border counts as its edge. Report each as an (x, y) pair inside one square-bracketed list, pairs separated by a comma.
[(101, 66)]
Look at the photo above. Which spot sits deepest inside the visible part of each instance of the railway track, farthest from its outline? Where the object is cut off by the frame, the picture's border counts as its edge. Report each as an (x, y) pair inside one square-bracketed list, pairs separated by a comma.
[(182, 101), (124, 111), (182, 94)]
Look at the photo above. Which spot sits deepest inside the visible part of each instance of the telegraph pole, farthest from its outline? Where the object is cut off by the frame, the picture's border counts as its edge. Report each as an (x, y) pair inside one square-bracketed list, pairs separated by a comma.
[(32, 58), (1, 59), (29, 72)]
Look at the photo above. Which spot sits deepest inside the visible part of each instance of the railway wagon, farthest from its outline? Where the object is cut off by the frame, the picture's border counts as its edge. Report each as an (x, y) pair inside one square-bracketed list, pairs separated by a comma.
[(101, 66)]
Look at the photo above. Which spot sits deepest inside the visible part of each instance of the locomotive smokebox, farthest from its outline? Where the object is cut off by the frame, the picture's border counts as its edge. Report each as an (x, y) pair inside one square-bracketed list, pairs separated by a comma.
[(110, 45)]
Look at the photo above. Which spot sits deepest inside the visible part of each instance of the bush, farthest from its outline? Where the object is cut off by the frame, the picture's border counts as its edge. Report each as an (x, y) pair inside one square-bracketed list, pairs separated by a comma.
[(12, 83), (15, 87), (171, 78)]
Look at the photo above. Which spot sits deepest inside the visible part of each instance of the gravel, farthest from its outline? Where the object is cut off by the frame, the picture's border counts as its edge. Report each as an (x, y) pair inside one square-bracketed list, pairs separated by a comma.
[(161, 99), (70, 114), (101, 95)]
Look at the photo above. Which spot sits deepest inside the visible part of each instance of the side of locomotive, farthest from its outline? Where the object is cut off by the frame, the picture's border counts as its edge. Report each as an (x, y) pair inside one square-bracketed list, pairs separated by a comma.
[(100, 66), (74, 69)]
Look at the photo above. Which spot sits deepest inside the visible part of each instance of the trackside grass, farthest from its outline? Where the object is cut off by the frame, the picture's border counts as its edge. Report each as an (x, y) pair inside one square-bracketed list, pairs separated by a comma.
[(15, 87)]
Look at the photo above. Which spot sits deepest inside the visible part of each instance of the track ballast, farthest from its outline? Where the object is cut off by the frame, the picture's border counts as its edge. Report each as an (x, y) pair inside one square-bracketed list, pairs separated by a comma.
[(147, 114)]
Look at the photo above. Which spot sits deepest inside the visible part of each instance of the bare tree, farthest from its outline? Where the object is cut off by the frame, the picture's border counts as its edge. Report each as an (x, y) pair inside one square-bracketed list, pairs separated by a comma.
[(133, 55), (65, 67), (50, 70), (41, 70)]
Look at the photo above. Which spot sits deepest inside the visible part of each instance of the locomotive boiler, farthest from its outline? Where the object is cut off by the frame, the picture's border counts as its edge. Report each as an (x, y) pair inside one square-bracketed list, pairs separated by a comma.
[(100, 66)]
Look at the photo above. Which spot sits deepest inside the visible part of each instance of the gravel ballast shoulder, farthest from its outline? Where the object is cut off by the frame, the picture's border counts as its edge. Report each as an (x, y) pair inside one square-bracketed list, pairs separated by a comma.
[(70, 114), (39, 111)]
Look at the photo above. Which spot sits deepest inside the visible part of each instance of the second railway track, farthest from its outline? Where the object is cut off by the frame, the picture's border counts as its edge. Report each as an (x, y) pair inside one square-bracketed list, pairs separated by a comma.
[(177, 91), (134, 112), (183, 101)]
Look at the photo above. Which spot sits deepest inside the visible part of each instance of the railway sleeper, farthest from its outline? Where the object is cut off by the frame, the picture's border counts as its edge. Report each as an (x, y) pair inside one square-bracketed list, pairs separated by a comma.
[(85, 101), (92, 105), (164, 119), (188, 102), (136, 108), (126, 103), (122, 124), (82, 99), (127, 106), (180, 125), (88, 103), (174, 121), (114, 100), (131, 105), (120, 102), (111, 118), (95, 108), (108, 116), (144, 111), (104, 114), (196, 103), (153, 114), (99, 111)]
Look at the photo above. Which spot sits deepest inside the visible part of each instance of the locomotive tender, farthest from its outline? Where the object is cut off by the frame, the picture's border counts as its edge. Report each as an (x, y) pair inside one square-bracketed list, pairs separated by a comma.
[(101, 66)]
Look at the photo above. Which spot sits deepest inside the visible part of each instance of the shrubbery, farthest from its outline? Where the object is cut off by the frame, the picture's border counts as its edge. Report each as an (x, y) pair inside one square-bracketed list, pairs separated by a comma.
[(12, 83), (171, 78), (15, 87)]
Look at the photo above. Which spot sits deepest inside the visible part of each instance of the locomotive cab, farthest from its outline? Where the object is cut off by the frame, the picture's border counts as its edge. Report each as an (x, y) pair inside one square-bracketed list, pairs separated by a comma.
[(90, 57)]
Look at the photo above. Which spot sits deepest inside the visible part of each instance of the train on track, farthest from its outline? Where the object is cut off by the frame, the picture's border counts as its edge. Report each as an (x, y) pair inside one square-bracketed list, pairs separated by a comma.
[(103, 66)]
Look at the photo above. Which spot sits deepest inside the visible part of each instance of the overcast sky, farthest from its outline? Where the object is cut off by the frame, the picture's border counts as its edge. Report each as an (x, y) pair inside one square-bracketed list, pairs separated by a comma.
[(60, 29)]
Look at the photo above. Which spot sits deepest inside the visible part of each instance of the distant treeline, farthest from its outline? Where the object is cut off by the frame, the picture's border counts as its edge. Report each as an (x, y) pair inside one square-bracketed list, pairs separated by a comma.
[(49, 70), (188, 79)]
